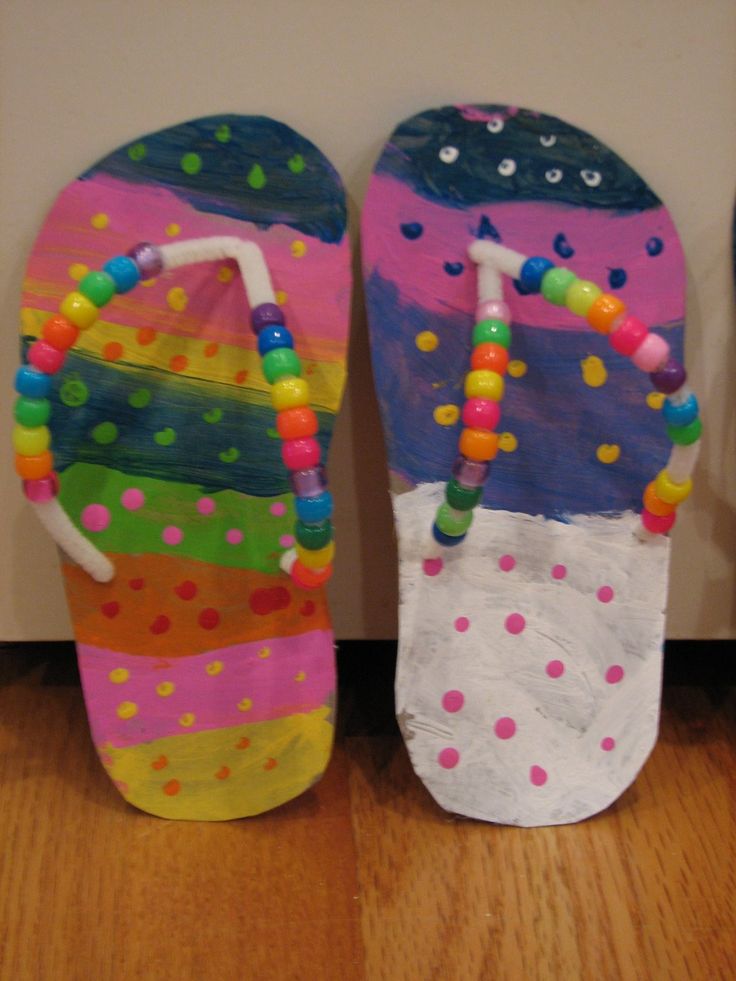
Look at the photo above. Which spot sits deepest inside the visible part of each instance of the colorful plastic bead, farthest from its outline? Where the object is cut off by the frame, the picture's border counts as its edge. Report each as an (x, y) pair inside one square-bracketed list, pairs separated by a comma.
[(264, 315), (685, 435), (31, 412), (79, 310), (605, 313), (98, 287), (31, 440), (274, 337), (32, 382), (124, 272), (300, 454), (492, 357), (680, 413), (668, 491), (533, 271), (670, 377), (288, 393), (46, 358), (312, 510), (148, 259), (296, 423), (628, 336), (651, 354), (491, 332), (313, 536), (481, 414), (60, 332), (281, 362), (657, 524), (581, 296), (310, 578), (484, 385), (653, 504), (34, 467), (451, 522), (42, 490), (446, 540), (478, 444), (470, 473), (317, 558), (493, 310), (555, 284), (308, 483), (462, 498)]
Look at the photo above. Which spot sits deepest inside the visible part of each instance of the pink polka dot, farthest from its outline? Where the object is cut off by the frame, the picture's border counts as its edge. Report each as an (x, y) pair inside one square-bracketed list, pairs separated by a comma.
[(506, 563), (555, 669), (205, 505), (607, 744), (505, 727), (286, 541), (605, 594), (614, 674), (559, 571), (538, 776), (432, 567), (453, 701), (448, 758), (171, 535), (515, 623), (95, 517), (462, 624), (278, 509), (233, 536), (132, 499)]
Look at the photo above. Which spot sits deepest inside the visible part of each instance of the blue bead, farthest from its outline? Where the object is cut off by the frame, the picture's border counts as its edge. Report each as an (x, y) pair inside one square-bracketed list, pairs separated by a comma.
[(271, 338), (532, 272), (314, 509), (448, 540), (680, 415), (29, 381), (124, 271)]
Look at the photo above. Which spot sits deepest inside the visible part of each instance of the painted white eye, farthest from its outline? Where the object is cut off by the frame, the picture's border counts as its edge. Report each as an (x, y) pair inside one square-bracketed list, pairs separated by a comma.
[(548, 140), (449, 154), (554, 176), (494, 125), (507, 167), (591, 177)]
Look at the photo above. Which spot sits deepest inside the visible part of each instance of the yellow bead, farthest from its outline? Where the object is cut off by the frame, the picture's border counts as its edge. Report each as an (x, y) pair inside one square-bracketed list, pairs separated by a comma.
[(317, 558), (668, 491), (31, 440), (484, 384), (581, 296), (289, 393), (77, 308)]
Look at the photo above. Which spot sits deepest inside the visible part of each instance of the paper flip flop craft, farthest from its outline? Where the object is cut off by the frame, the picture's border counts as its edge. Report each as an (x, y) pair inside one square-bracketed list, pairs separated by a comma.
[(179, 292), (526, 302)]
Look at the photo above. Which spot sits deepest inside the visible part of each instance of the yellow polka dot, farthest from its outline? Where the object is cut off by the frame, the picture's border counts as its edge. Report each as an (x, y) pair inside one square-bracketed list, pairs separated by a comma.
[(446, 415), (245, 704), (99, 221), (517, 369), (148, 282), (177, 299), (126, 710), (264, 653), (77, 271), (119, 675), (281, 297), (655, 400), (594, 371), (300, 676), (427, 340), (507, 442), (165, 688), (225, 274), (187, 720), (298, 248), (173, 229), (214, 668), (608, 452)]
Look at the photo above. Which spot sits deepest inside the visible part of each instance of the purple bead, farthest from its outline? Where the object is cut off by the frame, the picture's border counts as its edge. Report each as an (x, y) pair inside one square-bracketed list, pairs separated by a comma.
[(669, 377), (42, 490), (147, 258), (470, 473), (308, 483), (266, 314)]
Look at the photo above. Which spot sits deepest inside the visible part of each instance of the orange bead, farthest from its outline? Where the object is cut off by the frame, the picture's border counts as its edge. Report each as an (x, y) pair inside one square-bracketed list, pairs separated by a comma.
[(654, 504), (34, 467), (310, 578), (60, 332), (604, 312), (296, 423), (478, 444), (490, 356)]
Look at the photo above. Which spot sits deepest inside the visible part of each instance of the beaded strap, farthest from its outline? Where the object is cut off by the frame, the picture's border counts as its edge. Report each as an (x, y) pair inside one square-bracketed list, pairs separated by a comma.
[(627, 335), (310, 564)]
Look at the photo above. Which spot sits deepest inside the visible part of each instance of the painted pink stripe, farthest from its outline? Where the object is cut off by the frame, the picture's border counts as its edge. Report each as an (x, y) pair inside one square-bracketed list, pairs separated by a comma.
[(654, 289), (222, 688)]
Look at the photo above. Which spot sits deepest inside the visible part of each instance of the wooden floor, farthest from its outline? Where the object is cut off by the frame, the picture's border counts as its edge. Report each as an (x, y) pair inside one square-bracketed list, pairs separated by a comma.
[(364, 877)]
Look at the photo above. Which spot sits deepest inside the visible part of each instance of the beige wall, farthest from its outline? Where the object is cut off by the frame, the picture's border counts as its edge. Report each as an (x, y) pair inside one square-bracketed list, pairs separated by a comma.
[(655, 79)]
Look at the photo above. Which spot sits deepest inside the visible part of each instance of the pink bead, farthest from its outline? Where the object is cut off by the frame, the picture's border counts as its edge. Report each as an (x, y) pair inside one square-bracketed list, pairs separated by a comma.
[(481, 414), (493, 310), (628, 336), (300, 454), (46, 358), (652, 354), (42, 490), (656, 523)]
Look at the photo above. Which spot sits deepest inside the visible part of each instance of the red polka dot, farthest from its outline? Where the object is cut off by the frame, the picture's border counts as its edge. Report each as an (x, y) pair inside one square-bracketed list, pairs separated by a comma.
[(146, 335), (538, 776), (186, 590), (453, 701), (506, 563), (432, 567), (179, 362), (110, 609), (605, 594), (308, 608), (555, 669), (160, 625), (462, 624), (614, 674), (136, 583), (559, 571), (211, 350), (240, 377), (208, 619), (448, 758), (265, 601), (172, 788), (112, 351), (607, 744), (515, 623), (505, 727)]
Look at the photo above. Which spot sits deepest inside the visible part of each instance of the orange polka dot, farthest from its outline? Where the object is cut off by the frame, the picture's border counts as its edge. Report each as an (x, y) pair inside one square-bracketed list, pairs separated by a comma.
[(270, 763), (112, 351), (241, 376), (223, 773), (179, 362), (211, 350), (172, 788), (146, 335), (244, 743)]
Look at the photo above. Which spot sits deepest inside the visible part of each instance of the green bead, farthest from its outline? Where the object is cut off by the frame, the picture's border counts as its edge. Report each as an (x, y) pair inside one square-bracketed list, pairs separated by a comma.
[(313, 536), (493, 332), (32, 412), (555, 284), (685, 435), (279, 362), (462, 498), (98, 287), (451, 524)]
